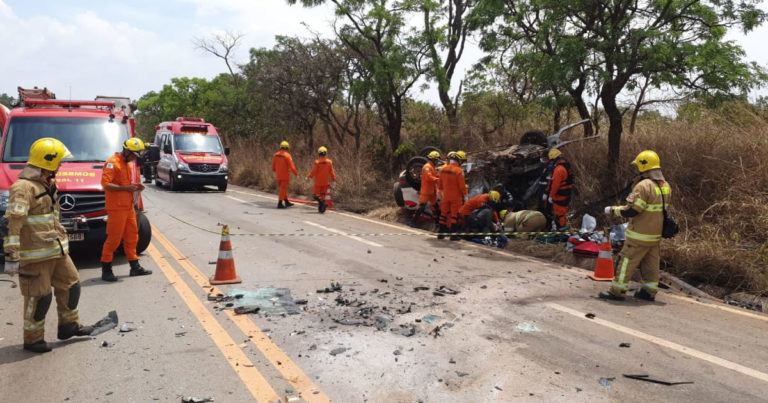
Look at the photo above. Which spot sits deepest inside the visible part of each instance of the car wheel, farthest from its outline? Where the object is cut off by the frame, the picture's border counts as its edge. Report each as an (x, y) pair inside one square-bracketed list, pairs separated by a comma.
[(223, 187), (413, 171), (172, 185), (399, 195), (158, 183), (145, 232), (534, 137), (426, 150)]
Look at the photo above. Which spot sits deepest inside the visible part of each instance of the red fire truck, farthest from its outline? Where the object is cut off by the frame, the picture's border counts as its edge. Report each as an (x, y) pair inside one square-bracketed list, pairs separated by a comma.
[(92, 131)]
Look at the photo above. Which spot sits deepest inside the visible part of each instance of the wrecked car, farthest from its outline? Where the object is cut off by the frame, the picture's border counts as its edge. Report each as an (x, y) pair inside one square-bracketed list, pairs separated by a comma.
[(517, 168)]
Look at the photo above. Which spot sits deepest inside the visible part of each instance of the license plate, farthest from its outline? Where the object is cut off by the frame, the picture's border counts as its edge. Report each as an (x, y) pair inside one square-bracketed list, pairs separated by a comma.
[(78, 236)]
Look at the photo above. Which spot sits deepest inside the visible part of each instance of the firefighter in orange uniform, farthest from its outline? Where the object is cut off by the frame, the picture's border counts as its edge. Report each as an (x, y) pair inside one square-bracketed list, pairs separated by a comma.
[(322, 171), (428, 191), (451, 184), (480, 213), (119, 188), (558, 192), (282, 165), (36, 248)]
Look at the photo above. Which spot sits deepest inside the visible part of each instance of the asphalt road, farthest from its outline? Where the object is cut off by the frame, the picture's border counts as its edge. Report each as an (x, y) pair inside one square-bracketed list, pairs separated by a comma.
[(516, 330)]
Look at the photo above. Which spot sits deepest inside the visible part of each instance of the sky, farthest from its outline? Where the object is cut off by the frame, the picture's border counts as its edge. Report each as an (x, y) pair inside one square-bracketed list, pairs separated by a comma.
[(80, 49)]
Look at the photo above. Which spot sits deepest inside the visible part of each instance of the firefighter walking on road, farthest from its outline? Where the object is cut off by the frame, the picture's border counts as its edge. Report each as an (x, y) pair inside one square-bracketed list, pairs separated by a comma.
[(428, 191), (645, 204), (324, 175), (36, 248), (558, 191), (119, 189), (282, 166), (451, 183)]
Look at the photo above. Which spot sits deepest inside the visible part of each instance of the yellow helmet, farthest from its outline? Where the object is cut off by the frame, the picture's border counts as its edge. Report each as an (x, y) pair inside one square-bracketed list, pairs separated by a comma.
[(494, 196), (47, 153), (284, 144), (647, 160), (554, 153), (451, 154), (322, 150), (434, 155), (134, 145), (461, 155), (502, 214)]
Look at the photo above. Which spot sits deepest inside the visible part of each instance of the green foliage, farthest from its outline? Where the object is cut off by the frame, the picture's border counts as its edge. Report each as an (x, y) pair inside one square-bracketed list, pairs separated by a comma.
[(7, 100)]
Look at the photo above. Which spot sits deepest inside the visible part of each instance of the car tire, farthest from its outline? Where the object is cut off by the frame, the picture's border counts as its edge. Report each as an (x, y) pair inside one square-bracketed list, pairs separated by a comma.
[(145, 232), (426, 150), (413, 171), (534, 137), (172, 185), (223, 187), (399, 195), (158, 183)]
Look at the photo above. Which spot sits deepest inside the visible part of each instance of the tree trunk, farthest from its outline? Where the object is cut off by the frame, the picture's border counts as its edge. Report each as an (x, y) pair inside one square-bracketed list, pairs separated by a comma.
[(608, 96), (581, 106)]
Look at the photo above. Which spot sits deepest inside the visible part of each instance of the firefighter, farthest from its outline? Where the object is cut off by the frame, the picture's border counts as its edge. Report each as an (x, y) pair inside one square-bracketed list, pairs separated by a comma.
[(524, 221), (322, 171), (644, 211), (36, 248), (282, 165), (558, 191), (428, 192), (119, 189), (451, 184), (480, 213)]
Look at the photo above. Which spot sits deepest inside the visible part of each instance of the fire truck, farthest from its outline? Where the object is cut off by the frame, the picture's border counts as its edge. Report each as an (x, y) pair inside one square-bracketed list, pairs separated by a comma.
[(92, 131)]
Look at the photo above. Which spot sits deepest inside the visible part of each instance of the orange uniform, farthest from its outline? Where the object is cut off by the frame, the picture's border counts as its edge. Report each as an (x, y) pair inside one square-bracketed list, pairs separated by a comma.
[(121, 217), (282, 165), (323, 173), (474, 204), (428, 191), (559, 190), (453, 187)]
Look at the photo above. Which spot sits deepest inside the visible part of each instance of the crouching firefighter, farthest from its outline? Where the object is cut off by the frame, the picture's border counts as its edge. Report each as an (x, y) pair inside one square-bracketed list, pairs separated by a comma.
[(36, 248)]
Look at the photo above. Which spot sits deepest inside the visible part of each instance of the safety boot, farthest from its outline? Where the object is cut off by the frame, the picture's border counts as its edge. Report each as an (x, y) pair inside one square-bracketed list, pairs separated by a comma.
[(280, 204), (106, 272), (287, 203), (137, 270), (73, 329), (644, 295), (37, 347), (610, 296), (322, 207), (442, 230), (453, 229)]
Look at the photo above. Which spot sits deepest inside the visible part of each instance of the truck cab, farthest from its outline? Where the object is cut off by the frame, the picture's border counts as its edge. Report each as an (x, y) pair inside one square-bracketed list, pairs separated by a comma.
[(92, 131), (191, 154)]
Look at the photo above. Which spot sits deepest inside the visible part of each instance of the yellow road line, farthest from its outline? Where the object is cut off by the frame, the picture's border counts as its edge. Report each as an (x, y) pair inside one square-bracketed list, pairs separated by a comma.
[(251, 377), (665, 343), (291, 372), (335, 231), (578, 272)]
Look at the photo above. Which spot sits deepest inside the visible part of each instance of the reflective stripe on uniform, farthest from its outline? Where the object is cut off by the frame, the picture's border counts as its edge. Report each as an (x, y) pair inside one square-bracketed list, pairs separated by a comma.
[(70, 314), (18, 208), (642, 237), (11, 240), (620, 281), (40, 219), (29, 315), (641, 204), (651, 285), (44, 252), (664, 189), (31, 325)]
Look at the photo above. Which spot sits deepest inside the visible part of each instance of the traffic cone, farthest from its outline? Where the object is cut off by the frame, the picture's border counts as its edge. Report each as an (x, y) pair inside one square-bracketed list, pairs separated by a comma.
[(225, 265), (604, 265), (328, 201)]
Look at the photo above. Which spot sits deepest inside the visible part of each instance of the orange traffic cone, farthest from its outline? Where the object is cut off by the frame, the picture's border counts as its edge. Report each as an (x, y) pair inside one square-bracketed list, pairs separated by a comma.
[(604, 266), (225, 265), (328, 201)]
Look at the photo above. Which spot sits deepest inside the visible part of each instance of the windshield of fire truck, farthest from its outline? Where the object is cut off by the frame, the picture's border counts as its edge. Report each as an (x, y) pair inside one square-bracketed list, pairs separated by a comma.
[(88, 139), (197, 143)]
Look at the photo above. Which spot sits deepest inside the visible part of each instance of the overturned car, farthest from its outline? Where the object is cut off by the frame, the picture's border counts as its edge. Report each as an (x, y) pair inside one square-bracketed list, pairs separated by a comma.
[(518, 169)]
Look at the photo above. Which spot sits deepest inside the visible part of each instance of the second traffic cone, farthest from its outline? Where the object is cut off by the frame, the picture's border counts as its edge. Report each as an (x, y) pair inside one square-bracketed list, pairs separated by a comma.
[(225, 265), (604, 265), (328, 201)]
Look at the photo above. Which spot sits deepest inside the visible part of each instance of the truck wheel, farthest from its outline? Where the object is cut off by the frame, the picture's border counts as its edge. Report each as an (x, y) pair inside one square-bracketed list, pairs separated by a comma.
[(145, 232), (413, 171), (223, 187)]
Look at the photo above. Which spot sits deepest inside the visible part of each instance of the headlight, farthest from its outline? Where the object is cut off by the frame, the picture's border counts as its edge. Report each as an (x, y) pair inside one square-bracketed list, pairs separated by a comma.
[(223, 167), (181, 165), (4, 199)]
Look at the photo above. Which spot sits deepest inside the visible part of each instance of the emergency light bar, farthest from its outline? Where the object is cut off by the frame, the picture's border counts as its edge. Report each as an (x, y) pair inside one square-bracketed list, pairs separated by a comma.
[(61, 102)]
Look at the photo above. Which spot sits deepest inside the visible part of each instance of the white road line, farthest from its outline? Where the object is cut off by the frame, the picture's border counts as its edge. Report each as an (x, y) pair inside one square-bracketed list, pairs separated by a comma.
[(665, 343), (335, 231), (239, 200)]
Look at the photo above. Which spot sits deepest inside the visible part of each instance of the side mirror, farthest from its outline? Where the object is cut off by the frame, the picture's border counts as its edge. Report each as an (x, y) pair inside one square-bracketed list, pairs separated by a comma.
[(167, 149), (153, 153), (226, 150)]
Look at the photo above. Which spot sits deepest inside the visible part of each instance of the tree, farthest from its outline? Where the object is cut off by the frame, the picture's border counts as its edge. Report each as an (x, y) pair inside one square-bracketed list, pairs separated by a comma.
[(387, 54), (221, 45), (7, 100), (674, 42)]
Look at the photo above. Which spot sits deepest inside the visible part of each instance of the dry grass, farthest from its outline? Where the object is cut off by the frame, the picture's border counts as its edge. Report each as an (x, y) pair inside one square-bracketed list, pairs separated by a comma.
[(716, 165)]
